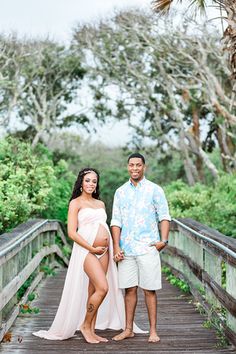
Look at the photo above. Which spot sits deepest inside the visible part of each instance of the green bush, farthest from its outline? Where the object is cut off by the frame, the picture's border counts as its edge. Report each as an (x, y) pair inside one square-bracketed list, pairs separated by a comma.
[(30, 184), (213, 205), (59, 195)]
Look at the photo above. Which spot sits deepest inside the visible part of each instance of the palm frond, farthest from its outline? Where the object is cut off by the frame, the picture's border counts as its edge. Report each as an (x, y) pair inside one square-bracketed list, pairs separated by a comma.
[(199, 5), (161, 6)]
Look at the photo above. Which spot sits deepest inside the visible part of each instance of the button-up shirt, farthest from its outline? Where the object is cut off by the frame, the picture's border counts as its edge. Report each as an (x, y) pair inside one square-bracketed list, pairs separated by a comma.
[(137, 211)]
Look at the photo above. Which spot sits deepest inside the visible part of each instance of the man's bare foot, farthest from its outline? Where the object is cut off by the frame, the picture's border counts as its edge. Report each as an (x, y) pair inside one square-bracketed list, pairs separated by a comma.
[(100, 339), (127, 333), (153, 338), (88, 335)]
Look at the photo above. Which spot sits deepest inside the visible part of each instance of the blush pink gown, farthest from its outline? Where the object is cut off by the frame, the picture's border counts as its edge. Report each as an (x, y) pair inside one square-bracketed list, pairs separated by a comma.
[(72, 308)]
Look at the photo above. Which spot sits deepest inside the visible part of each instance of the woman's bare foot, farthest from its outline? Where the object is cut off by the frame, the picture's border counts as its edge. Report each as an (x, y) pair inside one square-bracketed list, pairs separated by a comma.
[(100, 339), (153, 338), (88, 335), (127, 333)]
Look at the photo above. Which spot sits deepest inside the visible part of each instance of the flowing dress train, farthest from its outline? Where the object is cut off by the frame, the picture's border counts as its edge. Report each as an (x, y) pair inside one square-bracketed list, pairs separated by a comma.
[(72, 308)]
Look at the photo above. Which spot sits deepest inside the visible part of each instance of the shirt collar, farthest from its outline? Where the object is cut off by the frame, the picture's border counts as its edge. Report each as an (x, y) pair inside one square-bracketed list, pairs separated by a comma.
[(139, 184)]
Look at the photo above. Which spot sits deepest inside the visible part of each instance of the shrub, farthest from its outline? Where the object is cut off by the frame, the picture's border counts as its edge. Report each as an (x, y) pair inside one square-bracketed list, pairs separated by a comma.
[(213, 205)]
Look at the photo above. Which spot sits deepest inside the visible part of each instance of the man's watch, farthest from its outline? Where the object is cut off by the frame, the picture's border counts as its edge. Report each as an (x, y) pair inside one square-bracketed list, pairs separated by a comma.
[(166, 242)]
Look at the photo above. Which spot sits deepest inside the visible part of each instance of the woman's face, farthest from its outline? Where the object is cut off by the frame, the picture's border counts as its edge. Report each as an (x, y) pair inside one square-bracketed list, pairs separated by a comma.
[(89, 183)]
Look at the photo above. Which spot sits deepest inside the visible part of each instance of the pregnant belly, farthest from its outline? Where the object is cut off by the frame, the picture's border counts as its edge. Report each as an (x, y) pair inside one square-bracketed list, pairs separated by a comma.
[(102, 237)]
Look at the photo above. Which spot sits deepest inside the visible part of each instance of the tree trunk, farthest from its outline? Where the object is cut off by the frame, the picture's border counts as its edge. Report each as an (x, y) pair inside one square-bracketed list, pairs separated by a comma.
[(227, 148), (36, 139), (230, 38), (189, 168), (196, 133)]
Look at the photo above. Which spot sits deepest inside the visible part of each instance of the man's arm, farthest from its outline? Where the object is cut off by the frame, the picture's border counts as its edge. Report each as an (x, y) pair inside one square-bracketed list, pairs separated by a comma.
[(164, 230), (118, 253), (116, 223), (164, 219)]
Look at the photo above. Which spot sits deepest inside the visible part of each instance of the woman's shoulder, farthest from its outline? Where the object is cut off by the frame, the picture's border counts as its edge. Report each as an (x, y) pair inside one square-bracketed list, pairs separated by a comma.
[(75, 203), (100, 204)]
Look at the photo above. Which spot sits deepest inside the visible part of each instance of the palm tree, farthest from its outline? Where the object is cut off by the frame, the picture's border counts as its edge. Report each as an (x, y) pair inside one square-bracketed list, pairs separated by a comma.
[(229, 36)]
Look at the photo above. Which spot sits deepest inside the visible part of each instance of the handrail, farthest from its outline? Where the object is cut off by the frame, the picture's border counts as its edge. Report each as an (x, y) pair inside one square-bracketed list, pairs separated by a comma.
[(15, 243), (208, 266), (208, 239), (21, 253)]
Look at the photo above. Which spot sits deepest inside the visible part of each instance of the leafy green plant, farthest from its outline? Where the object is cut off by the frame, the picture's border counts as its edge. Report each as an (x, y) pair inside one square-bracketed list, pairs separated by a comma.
[(26, 285), (182, 285), (216, 323), (31, 185), (223, 275), (27, 308), (213, 205), (47, 270)]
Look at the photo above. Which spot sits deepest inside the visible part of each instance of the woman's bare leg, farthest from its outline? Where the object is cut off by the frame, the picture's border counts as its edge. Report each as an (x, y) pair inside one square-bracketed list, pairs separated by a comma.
[(104, 262), (97, 277)]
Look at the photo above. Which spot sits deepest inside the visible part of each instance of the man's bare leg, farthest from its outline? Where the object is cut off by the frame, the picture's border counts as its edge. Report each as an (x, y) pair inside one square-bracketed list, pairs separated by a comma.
[(151, 303), (130, 306)]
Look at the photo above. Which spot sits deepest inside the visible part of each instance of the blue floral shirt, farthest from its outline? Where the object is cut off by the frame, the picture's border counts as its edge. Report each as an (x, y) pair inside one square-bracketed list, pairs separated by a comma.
[(137, 211)]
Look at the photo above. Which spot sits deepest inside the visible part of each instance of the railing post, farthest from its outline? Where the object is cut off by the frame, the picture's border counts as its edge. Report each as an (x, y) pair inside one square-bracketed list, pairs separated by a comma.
[(1, 287), (213, 266), (231, 289)]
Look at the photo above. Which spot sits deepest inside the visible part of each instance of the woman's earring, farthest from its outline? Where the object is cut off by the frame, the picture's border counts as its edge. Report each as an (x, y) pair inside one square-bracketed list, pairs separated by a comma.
[(81, 189), (95, 191)]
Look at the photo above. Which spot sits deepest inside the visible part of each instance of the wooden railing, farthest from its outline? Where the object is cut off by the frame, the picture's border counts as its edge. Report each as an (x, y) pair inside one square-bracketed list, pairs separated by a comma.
[(206, 260), (201, 256), (21, 253)]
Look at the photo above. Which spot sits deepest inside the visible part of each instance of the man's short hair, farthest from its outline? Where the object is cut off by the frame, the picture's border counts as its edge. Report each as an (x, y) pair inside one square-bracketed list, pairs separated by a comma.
[(136, 155)]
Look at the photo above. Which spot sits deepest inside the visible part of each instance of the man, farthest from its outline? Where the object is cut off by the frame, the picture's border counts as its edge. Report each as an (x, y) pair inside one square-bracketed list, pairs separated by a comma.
[(139, 205)]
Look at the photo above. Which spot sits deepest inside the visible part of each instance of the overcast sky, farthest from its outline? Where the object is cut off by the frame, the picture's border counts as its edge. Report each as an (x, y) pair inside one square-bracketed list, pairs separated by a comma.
[(56, 18)]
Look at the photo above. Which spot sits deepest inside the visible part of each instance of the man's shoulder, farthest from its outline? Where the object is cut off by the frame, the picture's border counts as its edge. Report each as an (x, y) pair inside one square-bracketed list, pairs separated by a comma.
[(154, 186), (123, 187)]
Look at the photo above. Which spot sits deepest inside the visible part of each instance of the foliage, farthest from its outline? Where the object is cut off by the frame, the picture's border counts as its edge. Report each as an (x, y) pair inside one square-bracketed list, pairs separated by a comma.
[(31, 185), (58, 197), (66, 250), (40, 79), (26, 285), (213, 205), (139, 66), (111, 179), (217, 320), (47, 270), (179, 283), (26, 308), (25, 181)]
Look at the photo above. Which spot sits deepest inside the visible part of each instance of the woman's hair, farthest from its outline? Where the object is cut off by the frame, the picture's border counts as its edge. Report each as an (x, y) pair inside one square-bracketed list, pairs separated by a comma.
[(78, 184)]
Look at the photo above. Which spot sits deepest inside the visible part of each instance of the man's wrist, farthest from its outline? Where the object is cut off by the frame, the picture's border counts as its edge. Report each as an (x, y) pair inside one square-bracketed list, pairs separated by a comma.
[(166, 242)]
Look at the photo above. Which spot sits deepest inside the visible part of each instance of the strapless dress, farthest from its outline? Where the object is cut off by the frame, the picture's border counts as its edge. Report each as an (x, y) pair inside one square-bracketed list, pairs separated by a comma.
[(72, 308)]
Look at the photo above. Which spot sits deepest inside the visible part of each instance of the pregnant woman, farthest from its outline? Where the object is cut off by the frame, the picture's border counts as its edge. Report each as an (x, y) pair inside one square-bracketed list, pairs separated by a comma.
[(91, 298)]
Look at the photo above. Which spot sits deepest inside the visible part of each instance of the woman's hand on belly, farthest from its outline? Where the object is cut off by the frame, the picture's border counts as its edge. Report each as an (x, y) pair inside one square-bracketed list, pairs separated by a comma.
[(99, 250)]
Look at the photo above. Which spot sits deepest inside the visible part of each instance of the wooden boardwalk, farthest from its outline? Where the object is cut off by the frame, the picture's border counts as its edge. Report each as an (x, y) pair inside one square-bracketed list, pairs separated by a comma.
[(180, 327)]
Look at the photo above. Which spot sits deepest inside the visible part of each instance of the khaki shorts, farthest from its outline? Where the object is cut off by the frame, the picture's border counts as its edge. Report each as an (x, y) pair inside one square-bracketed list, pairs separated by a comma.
[(143, 271)]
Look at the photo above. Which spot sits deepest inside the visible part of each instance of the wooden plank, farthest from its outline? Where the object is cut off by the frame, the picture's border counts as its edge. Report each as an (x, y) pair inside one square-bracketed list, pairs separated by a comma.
[(180, 327)]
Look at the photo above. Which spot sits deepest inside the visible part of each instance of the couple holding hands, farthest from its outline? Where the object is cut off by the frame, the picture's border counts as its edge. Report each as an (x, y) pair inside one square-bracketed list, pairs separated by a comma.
[(102, 264)]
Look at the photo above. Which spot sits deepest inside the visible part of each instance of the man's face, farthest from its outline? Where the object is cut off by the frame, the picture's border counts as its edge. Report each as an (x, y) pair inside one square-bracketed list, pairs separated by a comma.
[(136, 169)]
